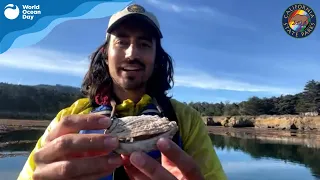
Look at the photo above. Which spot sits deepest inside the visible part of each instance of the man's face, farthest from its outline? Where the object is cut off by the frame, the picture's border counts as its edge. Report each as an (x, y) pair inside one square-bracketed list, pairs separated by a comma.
[(131, 56)]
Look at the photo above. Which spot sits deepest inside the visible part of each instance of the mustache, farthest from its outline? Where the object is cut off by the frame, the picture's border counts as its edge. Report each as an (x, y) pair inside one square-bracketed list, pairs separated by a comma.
[(133, 62)]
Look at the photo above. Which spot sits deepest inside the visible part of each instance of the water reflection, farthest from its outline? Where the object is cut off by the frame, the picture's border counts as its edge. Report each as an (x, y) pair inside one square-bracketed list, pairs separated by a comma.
[(258, 149), (270, 159), (20, 135), (19, 140)]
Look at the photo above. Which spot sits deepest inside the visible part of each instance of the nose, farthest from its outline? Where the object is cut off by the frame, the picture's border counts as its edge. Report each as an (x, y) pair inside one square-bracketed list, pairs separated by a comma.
[(132, 52)]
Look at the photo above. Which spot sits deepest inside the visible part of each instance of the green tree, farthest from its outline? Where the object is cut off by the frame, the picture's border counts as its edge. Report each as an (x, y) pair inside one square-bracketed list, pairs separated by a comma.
[(231, 109), (253, 106), (286, 104), (309, 99)]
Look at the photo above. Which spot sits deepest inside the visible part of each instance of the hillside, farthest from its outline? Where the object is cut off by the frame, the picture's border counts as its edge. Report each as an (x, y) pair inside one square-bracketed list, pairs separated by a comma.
[(35, 102)]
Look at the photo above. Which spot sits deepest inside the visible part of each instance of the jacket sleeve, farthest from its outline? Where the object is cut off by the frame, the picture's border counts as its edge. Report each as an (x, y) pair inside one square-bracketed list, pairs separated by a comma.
[(197, 143), (29, 166)]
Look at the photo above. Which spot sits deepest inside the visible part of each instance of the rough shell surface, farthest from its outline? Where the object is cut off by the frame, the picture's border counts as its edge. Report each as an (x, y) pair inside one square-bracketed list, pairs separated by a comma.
[(133, 126)]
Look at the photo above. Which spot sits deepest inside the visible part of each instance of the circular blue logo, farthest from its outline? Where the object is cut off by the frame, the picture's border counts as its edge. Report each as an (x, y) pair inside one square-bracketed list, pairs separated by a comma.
[(299, 20)]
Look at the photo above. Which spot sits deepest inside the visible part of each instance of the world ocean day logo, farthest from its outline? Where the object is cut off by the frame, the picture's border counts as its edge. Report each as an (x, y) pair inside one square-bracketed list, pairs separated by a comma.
[(25, 23), (11, 11), (299, 21), (28, 12)]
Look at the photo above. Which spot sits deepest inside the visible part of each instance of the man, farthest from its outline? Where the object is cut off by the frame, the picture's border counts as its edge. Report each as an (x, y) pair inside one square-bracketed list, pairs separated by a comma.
[(128, 75)]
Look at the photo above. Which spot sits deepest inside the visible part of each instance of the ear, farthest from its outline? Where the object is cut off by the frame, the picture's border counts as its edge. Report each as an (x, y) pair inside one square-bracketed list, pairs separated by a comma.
[(104, 54)]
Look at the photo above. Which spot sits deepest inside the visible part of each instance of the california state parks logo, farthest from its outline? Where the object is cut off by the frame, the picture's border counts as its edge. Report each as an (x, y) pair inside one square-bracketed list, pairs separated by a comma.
[(299, 20)]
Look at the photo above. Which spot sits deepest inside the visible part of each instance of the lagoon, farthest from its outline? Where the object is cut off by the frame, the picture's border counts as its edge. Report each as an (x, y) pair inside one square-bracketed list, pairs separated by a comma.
[(242, 159), (249, 159)]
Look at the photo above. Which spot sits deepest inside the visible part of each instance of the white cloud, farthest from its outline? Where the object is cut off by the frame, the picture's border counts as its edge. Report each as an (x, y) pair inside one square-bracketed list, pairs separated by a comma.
[(178, 8), (198, 79), (45, 60), (214, 14)]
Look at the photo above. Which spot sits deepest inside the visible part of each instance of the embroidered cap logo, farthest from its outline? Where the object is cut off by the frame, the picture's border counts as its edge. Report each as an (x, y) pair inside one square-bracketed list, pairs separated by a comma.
[(136, 8)]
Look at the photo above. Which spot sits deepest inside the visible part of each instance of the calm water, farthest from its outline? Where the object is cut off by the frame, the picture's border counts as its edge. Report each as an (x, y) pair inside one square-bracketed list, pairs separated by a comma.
[(242, 159), (248, 159)]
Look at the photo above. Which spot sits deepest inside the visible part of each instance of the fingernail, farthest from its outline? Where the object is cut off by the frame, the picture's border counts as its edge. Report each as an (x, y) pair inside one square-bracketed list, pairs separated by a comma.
[(137, 159), (111, 142), (104, 121), (115, 160), (163, 144)]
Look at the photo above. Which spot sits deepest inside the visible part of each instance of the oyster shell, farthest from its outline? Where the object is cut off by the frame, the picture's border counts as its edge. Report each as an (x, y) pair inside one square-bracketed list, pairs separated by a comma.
[(141, 133)]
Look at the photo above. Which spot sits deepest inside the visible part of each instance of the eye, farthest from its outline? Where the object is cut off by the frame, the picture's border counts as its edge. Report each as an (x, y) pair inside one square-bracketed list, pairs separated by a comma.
[(121, 42), (146, 44)]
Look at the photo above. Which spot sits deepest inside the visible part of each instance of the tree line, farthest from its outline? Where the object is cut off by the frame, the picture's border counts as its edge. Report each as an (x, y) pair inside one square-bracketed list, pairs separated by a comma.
[(35, 102), (44, 102), (306, 101)]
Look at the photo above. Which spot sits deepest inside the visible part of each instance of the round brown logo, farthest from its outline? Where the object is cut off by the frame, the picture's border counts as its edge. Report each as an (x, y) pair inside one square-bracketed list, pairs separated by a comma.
[(136, 8), (299, 20)]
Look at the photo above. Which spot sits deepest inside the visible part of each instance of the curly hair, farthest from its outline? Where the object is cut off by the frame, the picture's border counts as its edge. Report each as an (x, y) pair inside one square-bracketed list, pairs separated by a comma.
[(98, 74)]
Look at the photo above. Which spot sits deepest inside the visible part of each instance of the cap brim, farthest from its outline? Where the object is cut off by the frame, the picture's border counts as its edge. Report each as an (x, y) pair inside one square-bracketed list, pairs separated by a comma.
[(143, 17)]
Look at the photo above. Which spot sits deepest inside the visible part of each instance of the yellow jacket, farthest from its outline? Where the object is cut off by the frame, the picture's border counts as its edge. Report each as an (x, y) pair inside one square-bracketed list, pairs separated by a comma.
[(193, 132)]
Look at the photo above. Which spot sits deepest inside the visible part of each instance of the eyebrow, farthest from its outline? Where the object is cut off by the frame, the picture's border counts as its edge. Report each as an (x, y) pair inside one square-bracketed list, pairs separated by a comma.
[(121, 34)]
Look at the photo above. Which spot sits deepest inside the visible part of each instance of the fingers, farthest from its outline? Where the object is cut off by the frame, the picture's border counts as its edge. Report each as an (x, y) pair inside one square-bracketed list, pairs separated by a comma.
[(92, 176), (79, 168), (126, 160), (149, 167), (65, 146), (75, 123), (181, 159), (55, 160), (132, 171), (135, 174)]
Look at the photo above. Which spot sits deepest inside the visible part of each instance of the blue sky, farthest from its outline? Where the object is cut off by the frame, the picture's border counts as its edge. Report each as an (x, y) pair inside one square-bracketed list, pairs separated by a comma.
[(223, 50)]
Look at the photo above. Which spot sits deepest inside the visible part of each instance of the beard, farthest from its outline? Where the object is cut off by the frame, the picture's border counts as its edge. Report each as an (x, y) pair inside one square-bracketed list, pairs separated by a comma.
[(131, 76), (132, 83)]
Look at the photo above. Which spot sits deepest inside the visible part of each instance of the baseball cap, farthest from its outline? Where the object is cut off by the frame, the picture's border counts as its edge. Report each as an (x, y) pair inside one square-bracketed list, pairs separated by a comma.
[(134, 10)]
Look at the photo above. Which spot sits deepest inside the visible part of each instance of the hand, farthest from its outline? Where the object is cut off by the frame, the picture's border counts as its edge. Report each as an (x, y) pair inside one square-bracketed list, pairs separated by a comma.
[(69, 155), (175, 164)]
